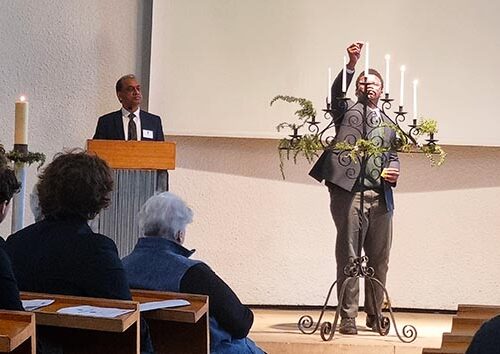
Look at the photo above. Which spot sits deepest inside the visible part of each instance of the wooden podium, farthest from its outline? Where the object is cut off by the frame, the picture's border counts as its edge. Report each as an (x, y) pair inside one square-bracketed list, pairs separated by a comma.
[(140, 170)]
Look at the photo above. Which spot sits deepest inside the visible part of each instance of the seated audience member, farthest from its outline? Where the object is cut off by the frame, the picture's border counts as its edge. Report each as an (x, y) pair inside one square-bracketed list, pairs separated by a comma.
[(160, 262), (60, 254), (487, 338), (9, 294)]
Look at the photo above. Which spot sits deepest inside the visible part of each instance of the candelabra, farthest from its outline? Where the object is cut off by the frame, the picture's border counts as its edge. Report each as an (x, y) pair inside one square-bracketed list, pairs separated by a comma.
[(353, 150)]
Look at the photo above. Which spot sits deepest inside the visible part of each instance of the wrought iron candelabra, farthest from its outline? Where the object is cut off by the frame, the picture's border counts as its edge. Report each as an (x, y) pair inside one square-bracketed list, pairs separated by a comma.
[(357, 266)]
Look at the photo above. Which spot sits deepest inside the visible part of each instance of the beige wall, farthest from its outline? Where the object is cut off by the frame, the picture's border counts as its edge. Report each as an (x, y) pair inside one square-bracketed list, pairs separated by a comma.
[(272, 240)]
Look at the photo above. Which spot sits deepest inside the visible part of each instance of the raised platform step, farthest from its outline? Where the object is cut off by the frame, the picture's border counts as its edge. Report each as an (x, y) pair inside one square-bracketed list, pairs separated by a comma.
[(442, 351), (478, 311), (456, 341), (466, 325)]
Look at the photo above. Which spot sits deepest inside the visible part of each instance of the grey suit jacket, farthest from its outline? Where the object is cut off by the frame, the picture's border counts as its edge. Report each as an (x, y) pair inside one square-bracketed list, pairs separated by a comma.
[(335, 166)]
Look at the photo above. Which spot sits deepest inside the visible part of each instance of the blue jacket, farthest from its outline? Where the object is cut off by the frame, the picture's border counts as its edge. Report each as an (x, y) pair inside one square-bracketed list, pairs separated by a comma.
[(159, 264)]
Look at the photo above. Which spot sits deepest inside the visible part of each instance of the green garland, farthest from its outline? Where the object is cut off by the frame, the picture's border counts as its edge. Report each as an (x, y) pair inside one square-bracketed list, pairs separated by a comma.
[(362, 147), (18, 157), (309, 145)]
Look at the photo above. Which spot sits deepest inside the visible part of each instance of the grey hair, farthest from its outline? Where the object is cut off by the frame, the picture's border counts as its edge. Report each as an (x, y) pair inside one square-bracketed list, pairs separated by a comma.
[(119, 83), (35, 207), (164, 215)]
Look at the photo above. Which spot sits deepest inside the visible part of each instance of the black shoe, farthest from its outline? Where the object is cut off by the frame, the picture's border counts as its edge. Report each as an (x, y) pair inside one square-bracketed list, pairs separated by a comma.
[(348, 326), (372, 322)]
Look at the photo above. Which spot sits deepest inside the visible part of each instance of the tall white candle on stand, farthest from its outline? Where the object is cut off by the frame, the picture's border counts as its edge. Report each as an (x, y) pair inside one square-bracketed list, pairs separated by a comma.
[(344, 76), (401, 89), (367, 58), (21, 123), (387, 60), (415, 110), (329, 99)]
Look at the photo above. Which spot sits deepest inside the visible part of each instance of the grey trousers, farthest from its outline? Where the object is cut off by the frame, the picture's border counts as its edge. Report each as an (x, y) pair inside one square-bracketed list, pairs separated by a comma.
[(375, 241)]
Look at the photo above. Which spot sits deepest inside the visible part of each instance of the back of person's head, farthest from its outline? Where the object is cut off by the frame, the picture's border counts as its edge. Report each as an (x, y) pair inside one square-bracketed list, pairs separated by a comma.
[(165, 215), (8, 184), (75, 184)]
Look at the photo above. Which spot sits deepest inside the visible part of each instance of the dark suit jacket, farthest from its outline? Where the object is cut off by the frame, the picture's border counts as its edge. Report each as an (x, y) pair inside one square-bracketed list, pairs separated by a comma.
[(9, 294), (110, 126), (335, 166), (64, 256)]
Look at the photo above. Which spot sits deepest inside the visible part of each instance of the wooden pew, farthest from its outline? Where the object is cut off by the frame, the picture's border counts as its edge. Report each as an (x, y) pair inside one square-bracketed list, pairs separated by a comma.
[(465, 324), (17, 332), (82, 334), (177, 330)]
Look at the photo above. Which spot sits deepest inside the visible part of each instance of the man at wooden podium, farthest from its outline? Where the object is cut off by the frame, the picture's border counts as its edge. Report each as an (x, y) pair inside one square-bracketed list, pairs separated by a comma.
[(130, 122)]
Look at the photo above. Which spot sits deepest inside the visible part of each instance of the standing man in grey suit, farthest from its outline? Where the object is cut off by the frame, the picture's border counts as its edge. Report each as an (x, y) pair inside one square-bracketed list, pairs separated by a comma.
[(342, 177), (130, 122)]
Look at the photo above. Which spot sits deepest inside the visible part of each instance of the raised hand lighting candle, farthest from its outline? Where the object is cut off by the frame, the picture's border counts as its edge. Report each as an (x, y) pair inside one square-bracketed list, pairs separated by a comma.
[(21, 123)]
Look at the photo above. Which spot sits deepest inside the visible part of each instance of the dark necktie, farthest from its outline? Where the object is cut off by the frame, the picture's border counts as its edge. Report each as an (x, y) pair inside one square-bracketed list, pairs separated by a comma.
[(132, 129)]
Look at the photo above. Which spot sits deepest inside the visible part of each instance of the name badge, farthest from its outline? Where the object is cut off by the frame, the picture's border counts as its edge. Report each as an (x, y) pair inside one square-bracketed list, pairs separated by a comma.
[(147, 133)]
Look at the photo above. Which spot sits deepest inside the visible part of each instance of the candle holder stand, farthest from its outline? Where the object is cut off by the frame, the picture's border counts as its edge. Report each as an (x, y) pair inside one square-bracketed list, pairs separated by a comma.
[(348, 157)]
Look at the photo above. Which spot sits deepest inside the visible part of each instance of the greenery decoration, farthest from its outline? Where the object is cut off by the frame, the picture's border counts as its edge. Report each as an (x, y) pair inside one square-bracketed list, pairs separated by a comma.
[(362, 147), (309, 145), (20, 157), (307, 110)]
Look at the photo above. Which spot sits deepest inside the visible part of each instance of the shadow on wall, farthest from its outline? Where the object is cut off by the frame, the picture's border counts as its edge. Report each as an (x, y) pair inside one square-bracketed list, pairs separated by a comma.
[(466, 167)]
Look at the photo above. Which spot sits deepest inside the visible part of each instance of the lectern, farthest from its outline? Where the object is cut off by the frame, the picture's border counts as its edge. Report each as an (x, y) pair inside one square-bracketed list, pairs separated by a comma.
[(140, 169)]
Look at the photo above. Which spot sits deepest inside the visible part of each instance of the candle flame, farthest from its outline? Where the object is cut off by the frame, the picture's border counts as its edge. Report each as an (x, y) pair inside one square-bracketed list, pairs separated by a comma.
[(403, 68), (387, 57), (22, 98), (415, 82)]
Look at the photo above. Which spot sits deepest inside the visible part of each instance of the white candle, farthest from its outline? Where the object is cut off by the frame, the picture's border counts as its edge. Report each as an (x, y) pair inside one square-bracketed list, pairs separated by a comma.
[(21, 123), (344, 76), (401, 89), (387, 60), (415, 111), (367, 58), (329, 99)]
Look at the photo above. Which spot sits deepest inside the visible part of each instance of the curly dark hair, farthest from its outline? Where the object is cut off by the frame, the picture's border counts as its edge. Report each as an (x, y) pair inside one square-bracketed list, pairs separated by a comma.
[(8, 183), (75, 183)]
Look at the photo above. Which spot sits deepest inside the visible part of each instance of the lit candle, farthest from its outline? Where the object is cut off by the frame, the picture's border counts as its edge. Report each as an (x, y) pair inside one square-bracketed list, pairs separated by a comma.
[(387, 60), (367, 58), (415, 111), (344, 76), (21, 123), (401, 89)]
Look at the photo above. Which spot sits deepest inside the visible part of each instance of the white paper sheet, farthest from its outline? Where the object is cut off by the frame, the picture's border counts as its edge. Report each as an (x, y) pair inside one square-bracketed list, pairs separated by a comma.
[(154, 305), (32, 305), (93, 311)]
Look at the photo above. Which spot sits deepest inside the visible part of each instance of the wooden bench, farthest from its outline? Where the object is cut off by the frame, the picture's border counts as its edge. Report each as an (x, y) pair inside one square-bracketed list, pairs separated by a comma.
[(177, 330), (85, 334), (17, 332), (465, 324)]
